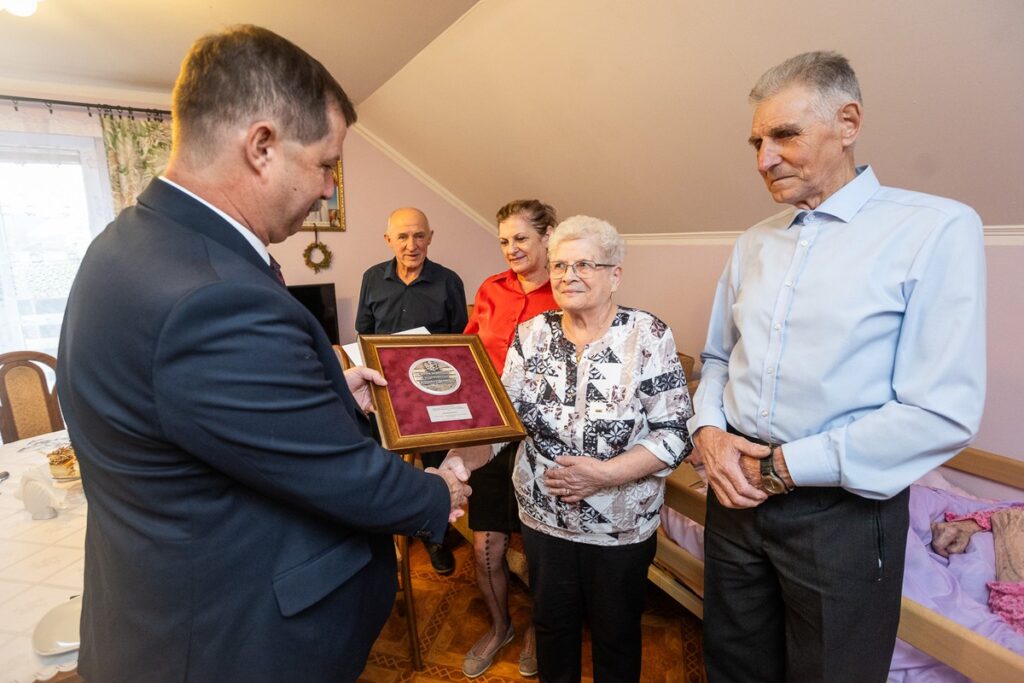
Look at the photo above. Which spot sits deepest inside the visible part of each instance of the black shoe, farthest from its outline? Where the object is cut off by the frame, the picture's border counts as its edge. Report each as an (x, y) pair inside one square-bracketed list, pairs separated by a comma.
[(440, 558)]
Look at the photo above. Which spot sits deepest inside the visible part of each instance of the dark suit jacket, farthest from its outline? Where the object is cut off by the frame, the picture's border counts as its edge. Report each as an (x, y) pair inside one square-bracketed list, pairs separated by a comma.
[(240, 518)]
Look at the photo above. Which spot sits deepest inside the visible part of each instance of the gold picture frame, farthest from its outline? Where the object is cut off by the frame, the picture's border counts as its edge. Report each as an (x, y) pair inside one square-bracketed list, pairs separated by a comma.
[(329, 215), (443, 392)]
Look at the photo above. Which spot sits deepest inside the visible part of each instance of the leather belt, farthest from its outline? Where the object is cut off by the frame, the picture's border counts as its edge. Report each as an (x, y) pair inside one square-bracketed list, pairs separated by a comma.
[(732, 430)]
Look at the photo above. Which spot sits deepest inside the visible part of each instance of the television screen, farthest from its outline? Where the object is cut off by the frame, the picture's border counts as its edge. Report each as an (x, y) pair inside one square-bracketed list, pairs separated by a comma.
[(320, 301)]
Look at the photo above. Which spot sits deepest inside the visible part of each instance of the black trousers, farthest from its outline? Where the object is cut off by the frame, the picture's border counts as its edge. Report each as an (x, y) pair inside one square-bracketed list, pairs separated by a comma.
[(804, 587), (604, 585)]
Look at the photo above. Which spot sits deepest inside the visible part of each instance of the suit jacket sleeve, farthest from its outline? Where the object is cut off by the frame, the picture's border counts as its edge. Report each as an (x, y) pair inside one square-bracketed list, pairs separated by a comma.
[(240, 386)]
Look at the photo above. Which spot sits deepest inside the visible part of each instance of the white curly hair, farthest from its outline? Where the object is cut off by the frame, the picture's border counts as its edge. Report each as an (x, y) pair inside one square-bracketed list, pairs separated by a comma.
[(603, 233)]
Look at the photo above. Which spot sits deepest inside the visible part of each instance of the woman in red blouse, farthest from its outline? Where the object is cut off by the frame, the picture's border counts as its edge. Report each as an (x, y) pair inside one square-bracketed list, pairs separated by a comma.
[(502, 302)]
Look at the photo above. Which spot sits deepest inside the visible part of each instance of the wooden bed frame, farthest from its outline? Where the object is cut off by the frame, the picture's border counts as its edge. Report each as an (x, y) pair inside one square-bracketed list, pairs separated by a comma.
[(682, 576)]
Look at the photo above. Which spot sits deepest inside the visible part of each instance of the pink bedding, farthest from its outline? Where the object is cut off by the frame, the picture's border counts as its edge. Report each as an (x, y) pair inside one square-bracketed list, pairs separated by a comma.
[(955, 588)]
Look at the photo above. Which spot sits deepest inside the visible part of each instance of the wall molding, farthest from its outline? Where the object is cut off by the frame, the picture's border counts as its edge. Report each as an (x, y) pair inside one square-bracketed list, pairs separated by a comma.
[(724, 238), (425, 178), (995, 236), (1004, 235)]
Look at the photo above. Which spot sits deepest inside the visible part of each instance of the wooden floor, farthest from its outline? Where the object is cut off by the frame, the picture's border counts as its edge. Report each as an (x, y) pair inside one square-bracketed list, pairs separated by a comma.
[(451, 617)]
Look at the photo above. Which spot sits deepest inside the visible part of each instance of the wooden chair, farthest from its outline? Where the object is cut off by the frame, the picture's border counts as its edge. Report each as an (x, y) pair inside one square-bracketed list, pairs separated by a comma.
[(28, 406)]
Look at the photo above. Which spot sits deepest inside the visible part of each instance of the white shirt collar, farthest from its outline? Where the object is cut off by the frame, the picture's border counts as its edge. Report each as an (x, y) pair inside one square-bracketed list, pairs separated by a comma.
[(248, 234)]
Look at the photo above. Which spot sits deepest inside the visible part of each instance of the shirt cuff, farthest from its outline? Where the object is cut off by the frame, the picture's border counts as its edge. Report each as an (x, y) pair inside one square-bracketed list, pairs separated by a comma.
[(812, 461), (661, 453), (706, 419)]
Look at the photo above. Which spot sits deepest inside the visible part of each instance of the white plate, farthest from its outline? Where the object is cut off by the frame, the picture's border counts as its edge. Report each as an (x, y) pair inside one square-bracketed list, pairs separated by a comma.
[(57, 631)]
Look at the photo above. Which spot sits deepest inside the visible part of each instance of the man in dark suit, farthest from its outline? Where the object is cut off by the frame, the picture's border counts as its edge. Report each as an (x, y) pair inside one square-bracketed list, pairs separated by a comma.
[(240, 517)]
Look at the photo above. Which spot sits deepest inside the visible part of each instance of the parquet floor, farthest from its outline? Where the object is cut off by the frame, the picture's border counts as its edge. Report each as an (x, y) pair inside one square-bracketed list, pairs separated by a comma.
[(451, 616)]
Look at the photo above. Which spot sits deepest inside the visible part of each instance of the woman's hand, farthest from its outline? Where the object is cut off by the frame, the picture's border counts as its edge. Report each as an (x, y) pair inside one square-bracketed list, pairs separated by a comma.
[(576, 477), (473, 457)]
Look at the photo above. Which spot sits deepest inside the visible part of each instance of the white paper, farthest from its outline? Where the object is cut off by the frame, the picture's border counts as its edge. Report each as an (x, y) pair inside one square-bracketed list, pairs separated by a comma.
[(448, 413), (356, 355)]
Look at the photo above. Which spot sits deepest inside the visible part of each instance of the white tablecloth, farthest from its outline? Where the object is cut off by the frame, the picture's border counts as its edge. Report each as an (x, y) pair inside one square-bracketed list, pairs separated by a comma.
[(41, 562)]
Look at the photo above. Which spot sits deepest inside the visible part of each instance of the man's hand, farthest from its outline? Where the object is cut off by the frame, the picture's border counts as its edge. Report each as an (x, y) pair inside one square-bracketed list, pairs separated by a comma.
[(751, 467), (576, 478), (359, 380), (455, 475), (732, 477)]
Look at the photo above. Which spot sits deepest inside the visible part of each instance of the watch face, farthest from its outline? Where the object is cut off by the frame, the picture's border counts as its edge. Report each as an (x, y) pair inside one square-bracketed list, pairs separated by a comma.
[(772, 484)]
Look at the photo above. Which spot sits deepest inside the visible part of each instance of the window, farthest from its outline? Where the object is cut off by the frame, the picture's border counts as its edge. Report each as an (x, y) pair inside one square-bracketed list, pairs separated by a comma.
[(54, 198)]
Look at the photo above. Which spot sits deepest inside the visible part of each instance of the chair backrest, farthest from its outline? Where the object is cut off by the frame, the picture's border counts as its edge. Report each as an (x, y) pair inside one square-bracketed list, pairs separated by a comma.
[(28, 406), (687, 362)]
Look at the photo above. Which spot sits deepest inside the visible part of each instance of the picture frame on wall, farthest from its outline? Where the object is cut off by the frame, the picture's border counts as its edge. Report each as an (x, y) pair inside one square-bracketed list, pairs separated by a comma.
[(329, 214), (442, 392)]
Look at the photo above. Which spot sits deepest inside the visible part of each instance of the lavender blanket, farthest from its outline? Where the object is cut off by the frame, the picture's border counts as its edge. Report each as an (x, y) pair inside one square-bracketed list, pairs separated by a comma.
[(954, 588)]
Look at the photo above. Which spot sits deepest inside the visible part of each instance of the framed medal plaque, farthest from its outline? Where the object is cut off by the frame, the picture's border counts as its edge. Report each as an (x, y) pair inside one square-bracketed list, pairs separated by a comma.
[(442, 393)]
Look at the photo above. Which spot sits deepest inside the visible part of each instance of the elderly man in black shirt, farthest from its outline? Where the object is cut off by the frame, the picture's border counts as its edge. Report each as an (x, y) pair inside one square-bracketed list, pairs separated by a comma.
[(412, 291)]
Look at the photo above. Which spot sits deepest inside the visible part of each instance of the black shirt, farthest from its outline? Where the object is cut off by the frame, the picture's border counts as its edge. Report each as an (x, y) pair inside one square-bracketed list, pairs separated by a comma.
[(435, 300)]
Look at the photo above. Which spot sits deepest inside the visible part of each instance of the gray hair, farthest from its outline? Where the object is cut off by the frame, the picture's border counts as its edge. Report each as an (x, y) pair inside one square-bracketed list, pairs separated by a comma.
[(828, 74), (604, 234)]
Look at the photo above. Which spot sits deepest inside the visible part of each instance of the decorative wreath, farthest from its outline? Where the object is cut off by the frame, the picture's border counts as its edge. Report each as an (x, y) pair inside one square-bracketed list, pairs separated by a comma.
[(317, 256)]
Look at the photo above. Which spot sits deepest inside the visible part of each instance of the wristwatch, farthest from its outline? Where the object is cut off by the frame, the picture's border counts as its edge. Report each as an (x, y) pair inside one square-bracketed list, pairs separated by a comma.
[(771, 482)]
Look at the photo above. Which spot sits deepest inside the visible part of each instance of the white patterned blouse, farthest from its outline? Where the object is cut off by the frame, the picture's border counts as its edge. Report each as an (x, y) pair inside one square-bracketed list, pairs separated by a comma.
[(627, 388)]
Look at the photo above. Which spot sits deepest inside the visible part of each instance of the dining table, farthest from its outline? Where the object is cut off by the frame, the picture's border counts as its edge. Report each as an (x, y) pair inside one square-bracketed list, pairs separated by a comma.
[(42, 561)]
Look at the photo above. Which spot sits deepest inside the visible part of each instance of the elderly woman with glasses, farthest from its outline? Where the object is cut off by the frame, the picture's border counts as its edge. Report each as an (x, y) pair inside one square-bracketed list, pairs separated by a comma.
[(604, 401)]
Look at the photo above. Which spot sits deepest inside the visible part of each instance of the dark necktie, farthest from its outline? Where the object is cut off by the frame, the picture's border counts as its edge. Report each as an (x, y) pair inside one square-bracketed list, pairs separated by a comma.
[(276, 267)]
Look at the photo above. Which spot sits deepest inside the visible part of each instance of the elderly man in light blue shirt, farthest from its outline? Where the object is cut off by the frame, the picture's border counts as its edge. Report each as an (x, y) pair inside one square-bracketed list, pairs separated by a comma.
[(845, 358)]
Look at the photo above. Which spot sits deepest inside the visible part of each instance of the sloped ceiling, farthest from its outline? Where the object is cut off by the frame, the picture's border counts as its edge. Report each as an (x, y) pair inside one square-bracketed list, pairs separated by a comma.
[(636, 111), (632, 111), (130, 44)]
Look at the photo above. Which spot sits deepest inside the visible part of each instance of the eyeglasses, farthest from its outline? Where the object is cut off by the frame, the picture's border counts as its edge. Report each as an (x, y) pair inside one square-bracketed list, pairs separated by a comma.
[(583, 269)]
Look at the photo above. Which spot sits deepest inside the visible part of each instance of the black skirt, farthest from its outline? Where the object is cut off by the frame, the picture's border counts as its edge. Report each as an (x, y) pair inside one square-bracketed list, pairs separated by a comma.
[(492, 506)]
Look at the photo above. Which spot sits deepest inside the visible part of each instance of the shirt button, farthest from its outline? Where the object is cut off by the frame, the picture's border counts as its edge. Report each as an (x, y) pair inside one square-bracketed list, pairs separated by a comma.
[(778, 326), (809, 218), (788, 283), (803, 243), (771, 370), (764, 413)]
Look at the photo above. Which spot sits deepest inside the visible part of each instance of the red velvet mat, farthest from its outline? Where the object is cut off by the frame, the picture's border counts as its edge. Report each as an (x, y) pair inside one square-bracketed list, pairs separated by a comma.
[(410, 403)]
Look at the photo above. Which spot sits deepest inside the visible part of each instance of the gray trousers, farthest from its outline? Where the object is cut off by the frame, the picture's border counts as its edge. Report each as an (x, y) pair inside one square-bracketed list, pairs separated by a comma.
[(804, 587)]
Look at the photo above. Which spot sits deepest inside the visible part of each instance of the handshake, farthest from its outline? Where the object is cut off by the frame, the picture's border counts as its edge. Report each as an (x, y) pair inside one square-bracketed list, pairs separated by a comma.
[(455, 475)]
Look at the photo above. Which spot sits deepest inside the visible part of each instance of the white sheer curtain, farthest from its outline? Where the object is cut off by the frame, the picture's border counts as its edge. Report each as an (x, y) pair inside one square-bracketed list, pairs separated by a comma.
[(54, 198)]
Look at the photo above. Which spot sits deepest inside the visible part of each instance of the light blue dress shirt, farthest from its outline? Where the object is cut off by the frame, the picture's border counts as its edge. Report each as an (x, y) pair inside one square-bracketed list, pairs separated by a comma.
[(855, 335)]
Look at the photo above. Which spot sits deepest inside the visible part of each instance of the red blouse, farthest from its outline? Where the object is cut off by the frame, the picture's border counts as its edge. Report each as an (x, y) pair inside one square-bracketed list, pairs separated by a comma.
[(499, 307)]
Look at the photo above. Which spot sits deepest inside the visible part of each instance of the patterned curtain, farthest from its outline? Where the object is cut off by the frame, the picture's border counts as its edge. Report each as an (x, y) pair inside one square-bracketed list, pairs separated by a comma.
[(137, 151)]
